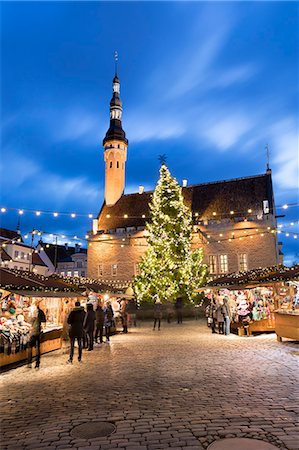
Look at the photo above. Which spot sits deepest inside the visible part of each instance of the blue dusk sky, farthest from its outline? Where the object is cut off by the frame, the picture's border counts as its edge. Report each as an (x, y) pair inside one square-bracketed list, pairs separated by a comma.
[(209, 84)]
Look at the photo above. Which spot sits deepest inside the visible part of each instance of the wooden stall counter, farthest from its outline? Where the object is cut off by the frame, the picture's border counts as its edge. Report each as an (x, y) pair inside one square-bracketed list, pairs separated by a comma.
[(287, 324), (50, 341)]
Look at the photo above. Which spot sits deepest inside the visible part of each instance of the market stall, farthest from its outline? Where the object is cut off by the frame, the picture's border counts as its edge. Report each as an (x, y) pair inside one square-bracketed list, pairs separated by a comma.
[(20, 293), (262, 300)]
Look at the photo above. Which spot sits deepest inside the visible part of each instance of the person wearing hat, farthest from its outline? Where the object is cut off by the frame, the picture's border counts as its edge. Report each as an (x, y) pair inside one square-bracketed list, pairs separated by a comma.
[(157, 312)]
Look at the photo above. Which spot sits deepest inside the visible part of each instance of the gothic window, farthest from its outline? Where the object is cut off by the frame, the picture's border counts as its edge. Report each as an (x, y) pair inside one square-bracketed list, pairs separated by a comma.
[(223, 263), (114, 270), (110, 165), (243, 262), (213, 263), (118, 146), (117, 164), (100, 270), (16, 253), (79, 264)]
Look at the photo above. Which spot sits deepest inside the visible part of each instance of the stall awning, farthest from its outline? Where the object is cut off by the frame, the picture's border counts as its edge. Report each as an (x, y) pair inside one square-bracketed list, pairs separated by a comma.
[(256, 277)]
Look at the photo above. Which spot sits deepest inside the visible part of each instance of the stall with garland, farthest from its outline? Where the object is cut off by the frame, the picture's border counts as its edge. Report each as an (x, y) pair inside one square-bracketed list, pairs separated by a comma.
[(20, 292), (261, 300)]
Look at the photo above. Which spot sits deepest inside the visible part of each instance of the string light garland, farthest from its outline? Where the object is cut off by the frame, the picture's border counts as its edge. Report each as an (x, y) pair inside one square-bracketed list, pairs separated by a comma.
[(259, 275), (73, 215)]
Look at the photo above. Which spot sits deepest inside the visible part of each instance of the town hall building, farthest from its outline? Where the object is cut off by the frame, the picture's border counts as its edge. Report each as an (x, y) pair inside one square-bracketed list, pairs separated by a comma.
[(233, 220)]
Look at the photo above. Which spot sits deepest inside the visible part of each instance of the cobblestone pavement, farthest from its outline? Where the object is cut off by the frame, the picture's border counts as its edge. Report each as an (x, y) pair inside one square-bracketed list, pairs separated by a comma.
[(179, 388)]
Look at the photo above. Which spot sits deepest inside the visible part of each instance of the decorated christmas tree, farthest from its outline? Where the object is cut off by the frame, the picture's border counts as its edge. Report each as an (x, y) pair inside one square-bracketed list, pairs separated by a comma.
[(169, 268)]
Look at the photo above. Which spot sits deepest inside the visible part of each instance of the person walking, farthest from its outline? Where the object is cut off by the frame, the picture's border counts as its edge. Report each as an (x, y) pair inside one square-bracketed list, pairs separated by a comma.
[(124, 315), (157, 313), (131, 310), (220, 318), (179, 309), (99, 323), (76, 320), (213, 315), (38, 318), (169, 311), (108, 317), (227, 316), (88, 325)]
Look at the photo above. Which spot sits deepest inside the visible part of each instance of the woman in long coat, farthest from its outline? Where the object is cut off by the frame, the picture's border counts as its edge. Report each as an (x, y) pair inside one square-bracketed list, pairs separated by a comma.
[(89, 323), (220, 318)]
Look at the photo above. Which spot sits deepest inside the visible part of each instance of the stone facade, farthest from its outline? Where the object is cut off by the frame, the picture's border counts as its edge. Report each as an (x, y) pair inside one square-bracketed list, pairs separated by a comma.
[(115, 256)]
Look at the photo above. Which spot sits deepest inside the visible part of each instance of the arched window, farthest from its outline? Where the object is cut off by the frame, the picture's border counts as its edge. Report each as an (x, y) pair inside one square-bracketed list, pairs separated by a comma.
[(117, 164), (110, 164)]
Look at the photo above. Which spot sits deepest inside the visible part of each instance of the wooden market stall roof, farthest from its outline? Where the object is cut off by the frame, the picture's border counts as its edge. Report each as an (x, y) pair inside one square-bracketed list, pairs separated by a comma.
[(25, 281), (257, 276)]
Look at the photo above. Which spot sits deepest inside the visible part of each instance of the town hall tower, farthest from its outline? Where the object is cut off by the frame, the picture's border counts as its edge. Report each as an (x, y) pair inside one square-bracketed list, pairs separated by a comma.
[(115, 149)]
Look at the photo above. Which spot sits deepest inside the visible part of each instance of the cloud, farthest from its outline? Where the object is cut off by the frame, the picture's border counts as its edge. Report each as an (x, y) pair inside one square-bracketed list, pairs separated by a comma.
[(284, 143), (76, 125), (225, 131), (158, 127), (232, 76), (33, 182)]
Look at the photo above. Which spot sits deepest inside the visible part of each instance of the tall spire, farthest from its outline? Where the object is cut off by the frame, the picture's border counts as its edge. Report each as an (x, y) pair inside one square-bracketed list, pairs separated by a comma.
[(116, 60), (115, 130), (115, 147)]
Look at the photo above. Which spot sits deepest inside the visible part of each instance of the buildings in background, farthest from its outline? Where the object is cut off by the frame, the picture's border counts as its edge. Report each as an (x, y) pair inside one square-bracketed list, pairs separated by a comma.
[(234, 220), (45, 259), (15, 254), (67, 260)]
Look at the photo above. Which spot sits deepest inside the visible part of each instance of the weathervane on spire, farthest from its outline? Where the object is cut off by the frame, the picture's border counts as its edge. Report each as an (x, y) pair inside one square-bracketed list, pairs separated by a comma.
[(267, 156), (116, 60)]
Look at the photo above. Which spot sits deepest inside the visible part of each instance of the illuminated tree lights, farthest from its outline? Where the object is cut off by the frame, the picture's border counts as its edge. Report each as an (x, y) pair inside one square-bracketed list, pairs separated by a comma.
[(169, 267)]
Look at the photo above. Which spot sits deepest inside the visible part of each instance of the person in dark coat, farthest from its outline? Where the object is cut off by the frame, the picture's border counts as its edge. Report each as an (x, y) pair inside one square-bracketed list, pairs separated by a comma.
[(35, 336), (89, 323), (99, 323), (157, 313), (220, 318), (213, 314), (76, 320), (108, 318), (179, 309), (124, 315)]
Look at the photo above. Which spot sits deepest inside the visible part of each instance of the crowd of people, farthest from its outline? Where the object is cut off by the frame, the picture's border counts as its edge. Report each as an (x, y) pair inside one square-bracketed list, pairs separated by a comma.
[(218, 314), (169, 309), (90, 327), (87, 327)]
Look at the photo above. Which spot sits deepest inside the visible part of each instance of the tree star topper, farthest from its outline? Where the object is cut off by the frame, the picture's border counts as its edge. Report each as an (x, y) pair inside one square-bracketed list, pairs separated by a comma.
[(162, 159)]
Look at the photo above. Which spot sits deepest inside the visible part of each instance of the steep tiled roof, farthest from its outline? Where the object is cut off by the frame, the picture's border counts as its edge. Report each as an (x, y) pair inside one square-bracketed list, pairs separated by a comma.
[(63, 253), (238, 194), (9, 234)]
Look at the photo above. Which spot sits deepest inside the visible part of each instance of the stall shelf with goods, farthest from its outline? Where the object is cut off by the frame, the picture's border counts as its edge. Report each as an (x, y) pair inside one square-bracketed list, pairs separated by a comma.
[(259, 299), (20, 293)]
